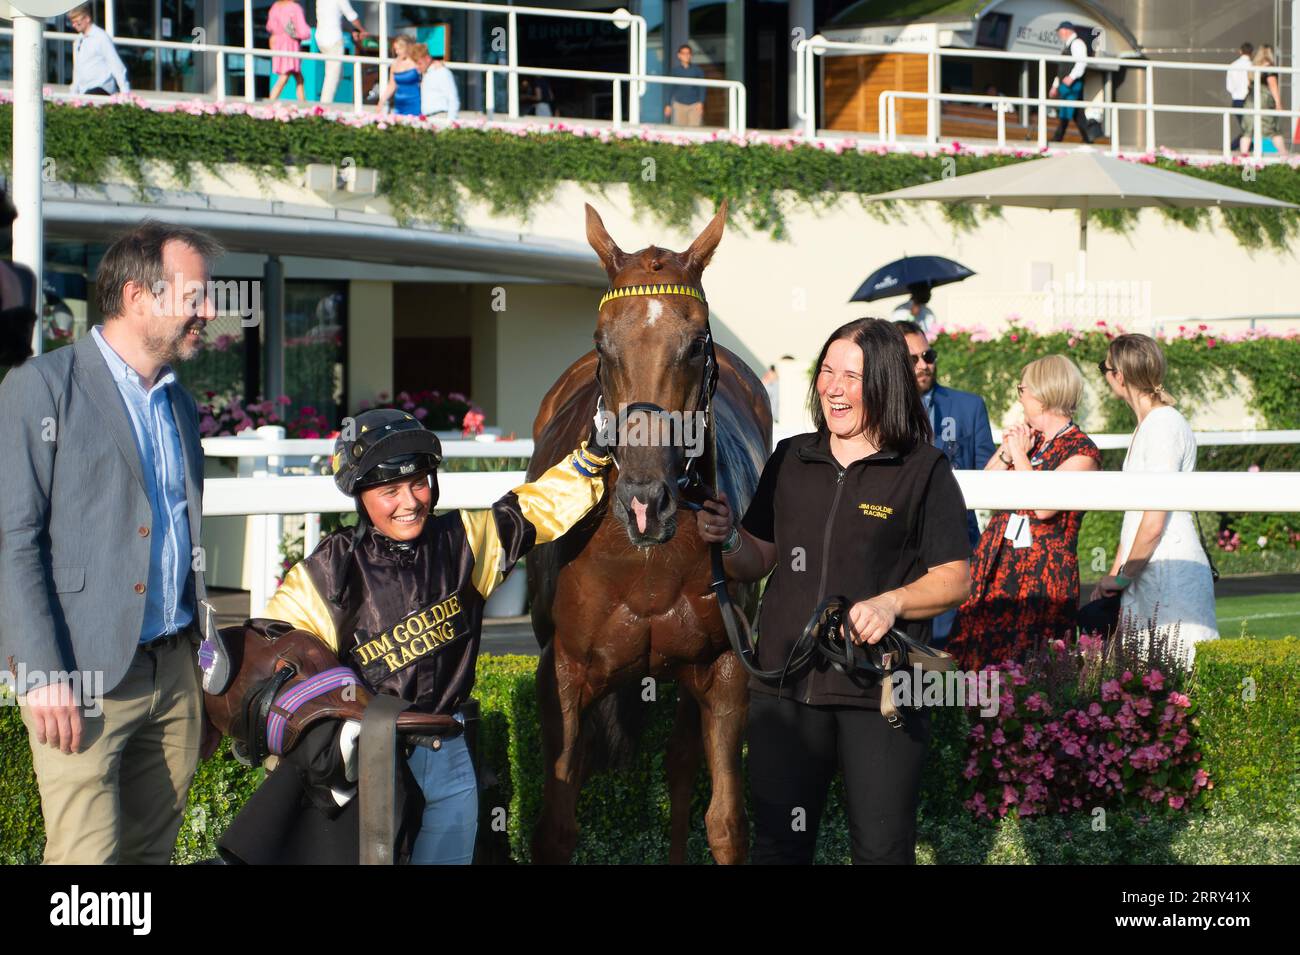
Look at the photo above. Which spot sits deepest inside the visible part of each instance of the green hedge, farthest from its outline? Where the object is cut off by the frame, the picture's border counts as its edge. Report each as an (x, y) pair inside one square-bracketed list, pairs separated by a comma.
[(1252, 750), (1201, 367), (514, 171), (1249, 697)]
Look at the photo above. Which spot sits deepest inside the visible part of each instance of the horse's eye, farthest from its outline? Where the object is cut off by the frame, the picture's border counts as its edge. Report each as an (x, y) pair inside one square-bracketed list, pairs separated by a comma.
[(697, 347)]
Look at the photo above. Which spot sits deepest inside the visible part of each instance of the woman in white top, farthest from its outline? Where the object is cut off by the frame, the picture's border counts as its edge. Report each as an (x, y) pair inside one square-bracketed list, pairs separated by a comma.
[(1161, 567)]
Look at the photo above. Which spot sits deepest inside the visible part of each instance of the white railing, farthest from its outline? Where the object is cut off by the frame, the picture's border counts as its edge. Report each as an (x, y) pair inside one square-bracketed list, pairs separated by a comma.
[(262, 494), (806, 83), (888, 114), (636, 79)]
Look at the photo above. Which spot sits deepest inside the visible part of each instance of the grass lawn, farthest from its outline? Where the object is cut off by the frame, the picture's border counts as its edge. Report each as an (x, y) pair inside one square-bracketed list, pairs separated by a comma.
[(1265, 616)]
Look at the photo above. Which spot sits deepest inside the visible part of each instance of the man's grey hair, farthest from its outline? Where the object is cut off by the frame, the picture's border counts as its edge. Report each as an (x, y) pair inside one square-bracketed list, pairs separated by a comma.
[(137, 256)]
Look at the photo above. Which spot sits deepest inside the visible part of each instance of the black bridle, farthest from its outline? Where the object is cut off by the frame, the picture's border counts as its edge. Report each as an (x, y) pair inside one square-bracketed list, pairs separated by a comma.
[(690, 481)]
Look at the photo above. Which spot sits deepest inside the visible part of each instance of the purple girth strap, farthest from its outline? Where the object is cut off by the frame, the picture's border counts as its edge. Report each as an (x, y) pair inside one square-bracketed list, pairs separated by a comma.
[(324, 682)]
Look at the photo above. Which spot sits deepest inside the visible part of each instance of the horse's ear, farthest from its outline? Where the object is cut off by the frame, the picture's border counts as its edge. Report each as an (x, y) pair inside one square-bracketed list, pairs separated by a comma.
[(611, 256), (701, 250)]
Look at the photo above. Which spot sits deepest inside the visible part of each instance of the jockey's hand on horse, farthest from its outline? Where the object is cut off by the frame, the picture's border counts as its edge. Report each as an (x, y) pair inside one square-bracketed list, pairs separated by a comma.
[(870, 620), (713, 520)]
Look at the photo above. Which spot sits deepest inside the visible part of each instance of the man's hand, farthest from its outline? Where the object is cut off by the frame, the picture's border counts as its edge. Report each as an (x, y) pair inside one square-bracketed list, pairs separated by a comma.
[(56, 717), (870, 620), (668, 111)]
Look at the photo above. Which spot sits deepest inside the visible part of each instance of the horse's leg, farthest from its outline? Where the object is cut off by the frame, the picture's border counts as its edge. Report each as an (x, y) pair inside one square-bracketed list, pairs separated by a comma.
[(683, 763), (722, 690), (559, 700)]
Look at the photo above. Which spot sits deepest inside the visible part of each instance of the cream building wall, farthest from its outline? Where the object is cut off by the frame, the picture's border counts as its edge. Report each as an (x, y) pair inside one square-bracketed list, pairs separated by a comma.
[(772, 298)]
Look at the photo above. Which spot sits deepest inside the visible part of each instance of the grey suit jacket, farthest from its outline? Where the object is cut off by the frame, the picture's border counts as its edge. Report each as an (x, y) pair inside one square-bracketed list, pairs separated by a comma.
[(75, 518)]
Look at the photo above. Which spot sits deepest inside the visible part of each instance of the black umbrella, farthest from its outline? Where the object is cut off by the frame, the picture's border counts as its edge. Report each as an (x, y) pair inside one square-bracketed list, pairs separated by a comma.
[(894, 278)]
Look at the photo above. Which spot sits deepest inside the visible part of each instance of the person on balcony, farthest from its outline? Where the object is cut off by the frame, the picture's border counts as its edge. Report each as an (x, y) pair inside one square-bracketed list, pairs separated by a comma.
[(287, 25), (1270, 97), (329, 39), (686, 102), (403, 89), (400, 597), (96, 67), (1025, 576), (1069, 83), (438, 94), (1237, 82)]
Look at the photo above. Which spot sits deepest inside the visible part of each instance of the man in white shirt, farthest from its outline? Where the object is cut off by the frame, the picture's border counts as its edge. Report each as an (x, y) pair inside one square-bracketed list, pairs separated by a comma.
[(917, 309), (329, 39), (438, 93), (1238, 85), (96, 67), (1069, 84)]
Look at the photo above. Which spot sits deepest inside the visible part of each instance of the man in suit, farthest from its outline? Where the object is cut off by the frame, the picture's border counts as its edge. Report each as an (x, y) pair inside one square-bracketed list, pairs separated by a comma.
[(100, 576), (961, 430)]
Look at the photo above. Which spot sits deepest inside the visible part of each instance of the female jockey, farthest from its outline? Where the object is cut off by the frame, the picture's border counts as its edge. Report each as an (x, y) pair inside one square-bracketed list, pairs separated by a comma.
[(400, 598)]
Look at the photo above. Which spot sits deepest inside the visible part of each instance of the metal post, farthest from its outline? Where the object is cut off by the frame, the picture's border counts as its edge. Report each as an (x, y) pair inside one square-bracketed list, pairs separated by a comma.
[(512, 60), (618, 105), (1042, 103), (1113, 115), (110, 18), (28, 153), (1227, 137), (356, 84), (221, 77), (1150, 110), (633, 69), (383, 48), (810, 94), (249, 89), (1002, 125), (1257, 147), (932, 87), (273, 325), (1083, 250)]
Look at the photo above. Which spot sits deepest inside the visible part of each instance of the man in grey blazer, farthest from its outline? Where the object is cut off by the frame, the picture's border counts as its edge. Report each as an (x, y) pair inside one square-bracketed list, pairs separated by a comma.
[(100, 570)]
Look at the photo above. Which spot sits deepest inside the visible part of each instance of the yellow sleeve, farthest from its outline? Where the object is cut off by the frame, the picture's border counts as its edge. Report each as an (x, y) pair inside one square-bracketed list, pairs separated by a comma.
[(297, 602), (552, 504)]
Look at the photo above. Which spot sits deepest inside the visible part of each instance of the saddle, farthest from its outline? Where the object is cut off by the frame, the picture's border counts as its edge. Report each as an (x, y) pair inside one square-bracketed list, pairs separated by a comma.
[(283, 681)]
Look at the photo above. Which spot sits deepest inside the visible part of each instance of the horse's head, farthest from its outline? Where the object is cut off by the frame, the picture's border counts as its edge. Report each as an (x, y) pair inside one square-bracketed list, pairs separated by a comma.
[(656, 365)]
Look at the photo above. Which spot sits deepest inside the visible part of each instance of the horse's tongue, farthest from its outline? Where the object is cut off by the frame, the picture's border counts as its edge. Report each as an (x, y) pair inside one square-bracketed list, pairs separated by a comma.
[(639, 508)]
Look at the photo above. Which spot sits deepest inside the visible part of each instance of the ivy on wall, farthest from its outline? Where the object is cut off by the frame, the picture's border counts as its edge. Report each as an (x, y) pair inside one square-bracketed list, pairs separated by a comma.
[(425, 171)]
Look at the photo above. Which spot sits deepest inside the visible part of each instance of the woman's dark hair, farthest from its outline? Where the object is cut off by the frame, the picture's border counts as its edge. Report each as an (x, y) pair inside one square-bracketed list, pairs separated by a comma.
[(891, 401)]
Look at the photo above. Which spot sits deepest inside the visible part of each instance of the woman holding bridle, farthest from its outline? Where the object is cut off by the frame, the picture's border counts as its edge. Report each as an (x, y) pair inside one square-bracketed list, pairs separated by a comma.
[(865, 507)]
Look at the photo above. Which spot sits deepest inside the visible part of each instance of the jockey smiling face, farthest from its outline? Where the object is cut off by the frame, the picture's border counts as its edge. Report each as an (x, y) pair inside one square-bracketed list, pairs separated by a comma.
[(398, 509)]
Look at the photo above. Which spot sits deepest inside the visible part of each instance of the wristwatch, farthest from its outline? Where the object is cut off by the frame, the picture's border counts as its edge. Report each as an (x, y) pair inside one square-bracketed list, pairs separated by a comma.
[(732, 543), (1002, 456)]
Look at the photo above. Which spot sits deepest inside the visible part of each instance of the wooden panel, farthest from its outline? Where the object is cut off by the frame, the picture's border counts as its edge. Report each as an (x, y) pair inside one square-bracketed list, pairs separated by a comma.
[(853, 85)]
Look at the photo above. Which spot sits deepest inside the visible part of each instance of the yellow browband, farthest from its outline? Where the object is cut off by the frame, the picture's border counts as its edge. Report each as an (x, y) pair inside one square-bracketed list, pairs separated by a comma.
[(629, 290)]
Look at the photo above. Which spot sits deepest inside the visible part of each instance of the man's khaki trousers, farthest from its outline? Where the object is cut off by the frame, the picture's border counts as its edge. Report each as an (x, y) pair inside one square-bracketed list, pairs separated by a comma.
[(121, 798)]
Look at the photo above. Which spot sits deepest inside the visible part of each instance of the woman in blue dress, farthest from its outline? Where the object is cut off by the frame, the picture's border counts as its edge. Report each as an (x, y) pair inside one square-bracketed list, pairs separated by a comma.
[(404, 80)]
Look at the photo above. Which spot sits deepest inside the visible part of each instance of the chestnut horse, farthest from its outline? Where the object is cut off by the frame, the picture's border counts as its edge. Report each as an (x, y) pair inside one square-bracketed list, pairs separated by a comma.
[(625, 594)]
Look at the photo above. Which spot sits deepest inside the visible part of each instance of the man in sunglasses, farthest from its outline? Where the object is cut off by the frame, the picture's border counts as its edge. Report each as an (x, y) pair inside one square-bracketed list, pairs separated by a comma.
[(961, 430)]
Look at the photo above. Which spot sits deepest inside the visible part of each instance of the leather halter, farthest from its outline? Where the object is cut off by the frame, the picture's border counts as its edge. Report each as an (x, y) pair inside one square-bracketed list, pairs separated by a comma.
[(708, 383)]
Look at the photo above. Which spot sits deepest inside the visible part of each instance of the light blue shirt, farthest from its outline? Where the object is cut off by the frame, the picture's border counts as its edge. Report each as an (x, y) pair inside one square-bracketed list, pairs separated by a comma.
[(438, 92), (169, 604), (96, 63)]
